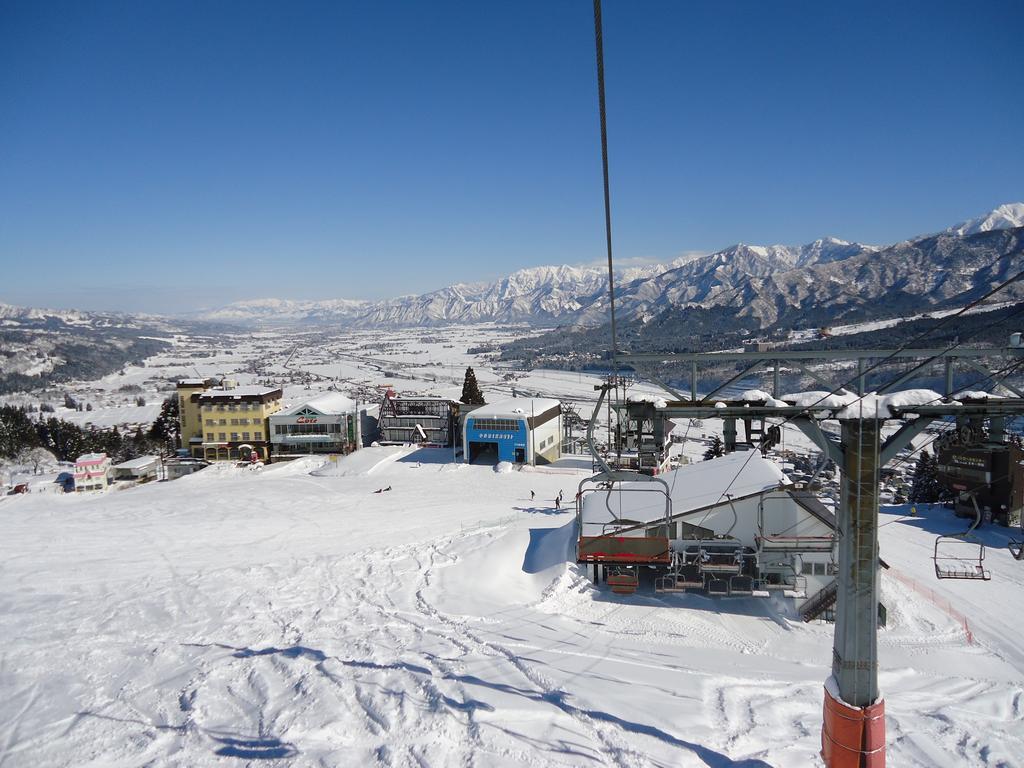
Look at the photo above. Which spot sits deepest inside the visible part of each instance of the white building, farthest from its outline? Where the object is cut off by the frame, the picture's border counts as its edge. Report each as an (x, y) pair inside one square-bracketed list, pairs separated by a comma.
[(139, 470), (328, 423), (737, 510), (521, 430), (92, 472)]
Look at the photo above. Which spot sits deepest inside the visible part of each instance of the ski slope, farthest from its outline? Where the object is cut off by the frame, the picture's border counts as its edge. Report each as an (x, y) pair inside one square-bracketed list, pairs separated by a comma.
[(295, 617)]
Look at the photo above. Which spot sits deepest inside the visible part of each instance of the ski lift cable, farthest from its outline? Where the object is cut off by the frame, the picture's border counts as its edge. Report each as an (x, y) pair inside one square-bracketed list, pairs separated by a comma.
[(1002, 372), (906, 345), (946, 430), (599, 50)]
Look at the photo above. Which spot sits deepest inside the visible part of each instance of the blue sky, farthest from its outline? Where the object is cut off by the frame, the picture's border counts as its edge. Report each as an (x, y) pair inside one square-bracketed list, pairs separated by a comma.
[(153, 152)]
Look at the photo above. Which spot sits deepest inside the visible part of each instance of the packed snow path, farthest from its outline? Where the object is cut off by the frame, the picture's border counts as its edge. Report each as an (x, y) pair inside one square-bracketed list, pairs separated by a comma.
[(290, 618)]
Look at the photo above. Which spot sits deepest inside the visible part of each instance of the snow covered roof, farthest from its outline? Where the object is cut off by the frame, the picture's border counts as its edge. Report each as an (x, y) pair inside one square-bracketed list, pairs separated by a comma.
[(692, 487), (192, 383), (90, 458), (871, 405), (140, 463), (516, 406), (238, 393), (326, 403)]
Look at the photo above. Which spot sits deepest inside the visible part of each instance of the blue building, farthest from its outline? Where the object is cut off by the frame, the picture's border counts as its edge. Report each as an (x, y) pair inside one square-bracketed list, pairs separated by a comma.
[(518, 430)]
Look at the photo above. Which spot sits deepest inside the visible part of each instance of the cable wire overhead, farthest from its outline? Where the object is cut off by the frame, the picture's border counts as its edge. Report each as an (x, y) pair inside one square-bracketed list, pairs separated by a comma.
[(599, 43)]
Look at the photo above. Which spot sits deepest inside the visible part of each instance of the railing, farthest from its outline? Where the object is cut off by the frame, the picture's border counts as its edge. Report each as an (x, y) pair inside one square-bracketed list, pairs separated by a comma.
[(938, 601), (821, 602)]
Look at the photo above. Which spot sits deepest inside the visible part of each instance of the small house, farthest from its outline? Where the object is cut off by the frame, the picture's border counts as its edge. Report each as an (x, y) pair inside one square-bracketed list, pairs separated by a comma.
[(92, 472)]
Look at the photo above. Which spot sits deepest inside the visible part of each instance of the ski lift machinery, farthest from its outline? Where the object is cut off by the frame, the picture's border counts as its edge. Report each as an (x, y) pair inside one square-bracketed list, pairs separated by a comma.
[(853, 729)]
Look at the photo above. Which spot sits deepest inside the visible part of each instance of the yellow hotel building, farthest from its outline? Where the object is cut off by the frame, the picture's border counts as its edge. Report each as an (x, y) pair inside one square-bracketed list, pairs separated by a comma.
[(224, 423)]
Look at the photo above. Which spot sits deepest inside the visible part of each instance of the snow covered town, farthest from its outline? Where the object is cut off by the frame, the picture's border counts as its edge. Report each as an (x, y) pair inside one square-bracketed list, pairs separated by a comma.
[(537, 385), (336, 564)]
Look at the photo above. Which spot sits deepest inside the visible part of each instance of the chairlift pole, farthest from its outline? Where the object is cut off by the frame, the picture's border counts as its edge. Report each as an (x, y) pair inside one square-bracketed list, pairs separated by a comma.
[(853, 731)]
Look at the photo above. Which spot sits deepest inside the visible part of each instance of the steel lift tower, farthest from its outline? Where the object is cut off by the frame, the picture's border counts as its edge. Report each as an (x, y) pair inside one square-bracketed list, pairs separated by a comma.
[(853, 731)]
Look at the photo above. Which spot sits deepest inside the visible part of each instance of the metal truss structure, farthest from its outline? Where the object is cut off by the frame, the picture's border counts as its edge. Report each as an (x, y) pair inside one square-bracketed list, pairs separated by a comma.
[(860, 451)]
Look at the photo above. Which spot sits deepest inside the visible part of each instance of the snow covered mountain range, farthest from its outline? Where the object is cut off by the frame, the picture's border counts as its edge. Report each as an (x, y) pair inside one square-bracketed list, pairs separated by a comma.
[(762, 281)]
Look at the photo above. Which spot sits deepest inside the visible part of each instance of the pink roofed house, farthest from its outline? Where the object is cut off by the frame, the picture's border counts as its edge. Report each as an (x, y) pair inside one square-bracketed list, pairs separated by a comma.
[(92, 472)]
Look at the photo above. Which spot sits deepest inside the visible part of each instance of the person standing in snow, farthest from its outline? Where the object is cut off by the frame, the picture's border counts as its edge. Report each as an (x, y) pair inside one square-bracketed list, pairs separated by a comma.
[(532, 495), (558, 502)]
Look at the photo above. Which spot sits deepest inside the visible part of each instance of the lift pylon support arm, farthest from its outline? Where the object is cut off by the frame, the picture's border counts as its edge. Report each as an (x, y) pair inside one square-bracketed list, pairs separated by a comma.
[(812, 430), (901, 438)]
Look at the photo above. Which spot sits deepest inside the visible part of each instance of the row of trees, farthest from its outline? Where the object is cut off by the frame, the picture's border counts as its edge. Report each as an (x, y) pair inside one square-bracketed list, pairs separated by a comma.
[(21, 436)]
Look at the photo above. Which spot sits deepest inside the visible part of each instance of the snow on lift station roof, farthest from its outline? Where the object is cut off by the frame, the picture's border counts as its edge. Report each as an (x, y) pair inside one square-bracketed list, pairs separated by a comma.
[(239, 392), (327, 403), (692, 487), (514, 407)]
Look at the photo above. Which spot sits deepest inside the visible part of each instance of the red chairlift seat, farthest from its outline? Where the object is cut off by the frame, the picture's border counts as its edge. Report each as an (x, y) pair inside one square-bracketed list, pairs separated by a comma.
[(623, 581)]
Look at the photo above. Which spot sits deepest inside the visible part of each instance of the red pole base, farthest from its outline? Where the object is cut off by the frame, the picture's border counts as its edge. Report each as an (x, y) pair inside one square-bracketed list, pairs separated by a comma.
[(852, 737)]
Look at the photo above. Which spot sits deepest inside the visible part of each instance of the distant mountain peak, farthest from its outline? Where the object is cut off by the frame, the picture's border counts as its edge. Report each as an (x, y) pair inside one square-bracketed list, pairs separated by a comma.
[(1006, 216), (578, 294)]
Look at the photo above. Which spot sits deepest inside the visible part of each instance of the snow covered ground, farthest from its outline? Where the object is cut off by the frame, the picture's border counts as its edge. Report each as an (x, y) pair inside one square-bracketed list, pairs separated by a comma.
[(293, 616)]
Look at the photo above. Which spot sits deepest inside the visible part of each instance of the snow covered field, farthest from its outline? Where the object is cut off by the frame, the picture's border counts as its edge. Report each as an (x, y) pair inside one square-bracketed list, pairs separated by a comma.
[(295, 617)]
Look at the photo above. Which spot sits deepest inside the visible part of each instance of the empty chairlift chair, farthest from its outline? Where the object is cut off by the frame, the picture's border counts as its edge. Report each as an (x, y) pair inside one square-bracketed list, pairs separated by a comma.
[(961, 556), (720, 564), (624, 581), (680, 577)]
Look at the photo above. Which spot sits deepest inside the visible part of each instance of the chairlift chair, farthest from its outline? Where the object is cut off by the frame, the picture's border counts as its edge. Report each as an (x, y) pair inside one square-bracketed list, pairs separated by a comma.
[(680, 577), (1016, 547), (961, 555), (624, 581)]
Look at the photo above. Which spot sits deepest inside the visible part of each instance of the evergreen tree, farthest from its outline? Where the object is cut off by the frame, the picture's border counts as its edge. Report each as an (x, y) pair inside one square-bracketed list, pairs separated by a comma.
[(925, 484), (17, 432), (471, 394), (717, 449), (65, 440), (166, 430)]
